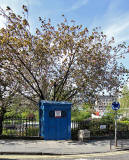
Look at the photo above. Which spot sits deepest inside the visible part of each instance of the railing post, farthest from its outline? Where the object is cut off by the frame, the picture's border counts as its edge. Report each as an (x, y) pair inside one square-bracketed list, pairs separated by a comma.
[(26, 126)]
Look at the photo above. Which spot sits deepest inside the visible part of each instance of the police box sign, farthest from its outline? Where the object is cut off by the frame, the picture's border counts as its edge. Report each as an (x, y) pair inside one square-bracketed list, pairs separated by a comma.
[(57, 114)]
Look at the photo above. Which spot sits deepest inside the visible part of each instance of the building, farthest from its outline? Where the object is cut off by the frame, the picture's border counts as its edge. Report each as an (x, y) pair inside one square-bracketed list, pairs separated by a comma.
[(102, 103)]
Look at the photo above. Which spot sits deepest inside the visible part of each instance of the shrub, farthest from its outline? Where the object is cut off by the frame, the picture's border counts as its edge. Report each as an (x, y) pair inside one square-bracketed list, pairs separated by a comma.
[(80, 115), (32, 131), (123, 126)]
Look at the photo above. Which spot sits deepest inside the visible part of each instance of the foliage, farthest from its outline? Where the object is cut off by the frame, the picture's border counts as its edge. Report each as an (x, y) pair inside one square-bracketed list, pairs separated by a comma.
[(123, 126), (33, 132), (8, 89), (26, 114), (109, 116), (82, 112), (107, 119), (80, 115), (10, 132), (88, 107), (124, 101), (62, 63), (124, 119), (12, 114), (30, 132)]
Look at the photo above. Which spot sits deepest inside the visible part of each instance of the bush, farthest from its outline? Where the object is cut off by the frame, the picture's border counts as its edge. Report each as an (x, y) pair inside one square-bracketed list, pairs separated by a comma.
[(94, 127), (95, 124), (123, 126), (80, 115), (12, 114), (9, 132), (29, 132), (107, 119), (124, 119), (32, 131)]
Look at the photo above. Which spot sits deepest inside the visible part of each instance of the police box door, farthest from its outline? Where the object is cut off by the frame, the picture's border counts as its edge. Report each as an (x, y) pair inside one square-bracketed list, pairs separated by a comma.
[(57, 125)]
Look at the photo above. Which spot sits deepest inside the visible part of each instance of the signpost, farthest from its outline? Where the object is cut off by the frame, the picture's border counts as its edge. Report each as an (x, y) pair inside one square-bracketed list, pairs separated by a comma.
[(115, 107)]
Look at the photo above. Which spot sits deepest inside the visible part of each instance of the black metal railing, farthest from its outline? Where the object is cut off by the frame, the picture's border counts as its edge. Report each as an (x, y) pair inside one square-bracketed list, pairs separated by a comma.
[(29, 127), (99, 130), (20, 127)]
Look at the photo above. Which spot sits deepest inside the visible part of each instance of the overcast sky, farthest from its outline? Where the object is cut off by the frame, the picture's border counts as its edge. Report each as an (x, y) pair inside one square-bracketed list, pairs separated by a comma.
[(111, 15)]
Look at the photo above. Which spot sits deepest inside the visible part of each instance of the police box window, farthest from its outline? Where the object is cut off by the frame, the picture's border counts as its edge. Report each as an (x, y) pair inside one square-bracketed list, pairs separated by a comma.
[(57, 114), (51, 114), (63, 114)]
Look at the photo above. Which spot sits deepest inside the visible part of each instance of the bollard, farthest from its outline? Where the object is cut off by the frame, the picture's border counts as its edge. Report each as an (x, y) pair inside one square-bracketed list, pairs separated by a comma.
[(110, 144)]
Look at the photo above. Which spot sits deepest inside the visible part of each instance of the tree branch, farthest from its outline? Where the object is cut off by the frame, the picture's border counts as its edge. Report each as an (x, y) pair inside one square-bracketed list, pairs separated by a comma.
[(42, 96), (29, 98), (62, 83), (71, 96), (28, 82)]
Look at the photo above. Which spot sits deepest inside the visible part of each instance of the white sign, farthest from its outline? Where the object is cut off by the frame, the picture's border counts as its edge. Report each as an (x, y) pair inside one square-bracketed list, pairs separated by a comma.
[(57, 114), (102, 126)]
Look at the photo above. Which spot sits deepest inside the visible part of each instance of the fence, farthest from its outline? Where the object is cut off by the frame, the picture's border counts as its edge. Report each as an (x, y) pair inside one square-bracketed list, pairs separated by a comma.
[(23, 127), (99, 130), (20, 127), (14, 126)]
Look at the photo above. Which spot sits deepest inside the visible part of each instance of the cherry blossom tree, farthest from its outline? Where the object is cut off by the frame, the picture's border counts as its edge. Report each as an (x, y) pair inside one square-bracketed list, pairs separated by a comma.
[(64, 62)]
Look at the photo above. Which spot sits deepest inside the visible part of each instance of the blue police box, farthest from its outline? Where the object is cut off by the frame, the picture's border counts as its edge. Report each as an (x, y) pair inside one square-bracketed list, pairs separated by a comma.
[(55, 120)]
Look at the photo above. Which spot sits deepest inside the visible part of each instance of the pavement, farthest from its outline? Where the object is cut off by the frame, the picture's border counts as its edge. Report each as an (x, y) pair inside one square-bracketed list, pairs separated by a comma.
[(61, 147)]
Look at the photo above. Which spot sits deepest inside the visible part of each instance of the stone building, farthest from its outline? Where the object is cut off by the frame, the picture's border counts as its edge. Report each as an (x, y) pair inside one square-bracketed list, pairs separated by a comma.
[(101, 104)]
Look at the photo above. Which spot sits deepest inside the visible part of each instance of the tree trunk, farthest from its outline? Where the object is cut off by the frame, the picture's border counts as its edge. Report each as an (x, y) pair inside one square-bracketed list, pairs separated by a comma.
[(2, 113)]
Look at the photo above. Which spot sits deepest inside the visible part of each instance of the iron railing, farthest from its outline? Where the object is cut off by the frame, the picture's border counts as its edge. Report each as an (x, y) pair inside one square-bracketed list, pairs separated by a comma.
[(29, 127), (20, 126)]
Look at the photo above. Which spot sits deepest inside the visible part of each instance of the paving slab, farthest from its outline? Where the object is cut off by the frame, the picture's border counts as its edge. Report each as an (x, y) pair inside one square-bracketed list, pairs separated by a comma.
[(57, 147)]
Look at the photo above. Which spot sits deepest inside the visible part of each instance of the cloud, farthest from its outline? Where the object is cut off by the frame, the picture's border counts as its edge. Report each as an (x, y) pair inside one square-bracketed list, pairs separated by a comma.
[(116, 21), (78, 4), (118, 27)]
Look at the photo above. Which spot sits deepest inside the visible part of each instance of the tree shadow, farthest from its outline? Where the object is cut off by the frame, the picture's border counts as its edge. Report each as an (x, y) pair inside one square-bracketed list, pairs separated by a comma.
[(88, 142), (16, 141)]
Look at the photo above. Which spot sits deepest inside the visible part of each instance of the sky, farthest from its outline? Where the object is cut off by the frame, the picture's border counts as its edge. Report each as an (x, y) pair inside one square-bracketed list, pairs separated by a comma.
[(111, 15)]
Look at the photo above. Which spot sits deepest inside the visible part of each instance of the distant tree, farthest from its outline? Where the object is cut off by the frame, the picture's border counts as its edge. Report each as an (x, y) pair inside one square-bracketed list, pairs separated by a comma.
[(19, 105), (124, 100), (8, 88), (62, 63)]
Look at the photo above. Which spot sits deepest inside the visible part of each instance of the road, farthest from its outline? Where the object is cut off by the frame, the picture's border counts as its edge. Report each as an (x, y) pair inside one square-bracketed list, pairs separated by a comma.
[(120, 155)]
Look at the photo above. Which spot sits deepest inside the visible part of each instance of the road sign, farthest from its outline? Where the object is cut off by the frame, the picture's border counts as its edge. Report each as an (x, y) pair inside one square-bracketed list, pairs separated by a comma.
[(115, 106)]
